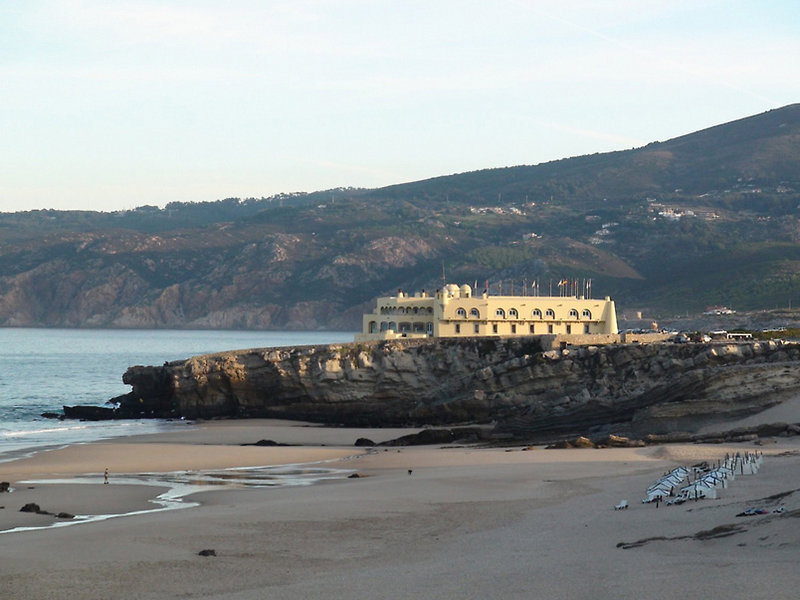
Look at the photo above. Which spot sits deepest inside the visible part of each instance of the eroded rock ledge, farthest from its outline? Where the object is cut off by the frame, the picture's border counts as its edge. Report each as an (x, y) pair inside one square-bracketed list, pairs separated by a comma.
[(655, 388)]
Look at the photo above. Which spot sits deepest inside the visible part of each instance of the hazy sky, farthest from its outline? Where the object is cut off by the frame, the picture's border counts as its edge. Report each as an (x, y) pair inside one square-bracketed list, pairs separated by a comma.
[(118, 103)]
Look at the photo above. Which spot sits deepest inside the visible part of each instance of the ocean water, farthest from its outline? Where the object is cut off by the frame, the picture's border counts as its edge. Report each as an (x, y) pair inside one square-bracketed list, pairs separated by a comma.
[(43, 369)]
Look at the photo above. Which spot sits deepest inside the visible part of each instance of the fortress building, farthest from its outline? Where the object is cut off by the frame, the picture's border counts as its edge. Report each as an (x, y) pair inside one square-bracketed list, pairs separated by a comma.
[(455, 312)]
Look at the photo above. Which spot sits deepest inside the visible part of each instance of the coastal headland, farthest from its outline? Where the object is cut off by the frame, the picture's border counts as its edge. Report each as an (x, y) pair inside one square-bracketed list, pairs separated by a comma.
[(520, 389), (247, 508)]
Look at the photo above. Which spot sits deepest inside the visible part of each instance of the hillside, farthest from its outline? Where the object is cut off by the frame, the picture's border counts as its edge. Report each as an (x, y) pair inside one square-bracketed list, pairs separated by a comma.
[(706, 218)]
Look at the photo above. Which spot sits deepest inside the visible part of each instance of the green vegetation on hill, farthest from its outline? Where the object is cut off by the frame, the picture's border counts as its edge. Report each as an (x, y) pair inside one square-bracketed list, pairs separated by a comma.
[(708, 218)]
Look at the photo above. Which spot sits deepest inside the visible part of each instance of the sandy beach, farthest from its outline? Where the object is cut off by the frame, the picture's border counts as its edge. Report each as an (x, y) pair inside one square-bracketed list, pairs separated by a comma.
[(430, 522)]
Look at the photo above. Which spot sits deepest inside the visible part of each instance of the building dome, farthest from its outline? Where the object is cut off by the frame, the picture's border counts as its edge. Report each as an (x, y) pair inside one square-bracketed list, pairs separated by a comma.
[(451, 289), (466, 291)]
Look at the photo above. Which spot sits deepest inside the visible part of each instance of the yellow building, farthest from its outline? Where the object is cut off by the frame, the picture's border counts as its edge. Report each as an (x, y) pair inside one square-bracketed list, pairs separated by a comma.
[(454, 312)]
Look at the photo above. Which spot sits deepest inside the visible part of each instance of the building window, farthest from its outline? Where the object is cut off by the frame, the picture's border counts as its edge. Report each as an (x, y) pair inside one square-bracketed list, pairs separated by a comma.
[(461, 313), (586, 328), (475, 313), (500, 313), (512, 313), (513, 329), (550, 314), (587, 314), (476, 328), (569, 329), (549, 329), (458, 327), (372, 327), (536, 314), (430, 328), (573, 314), (494, 328)]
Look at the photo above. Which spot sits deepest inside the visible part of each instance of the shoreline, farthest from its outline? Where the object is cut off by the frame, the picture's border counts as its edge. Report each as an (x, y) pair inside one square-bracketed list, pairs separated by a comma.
[(15, 445), (443, 521), (178, 459)]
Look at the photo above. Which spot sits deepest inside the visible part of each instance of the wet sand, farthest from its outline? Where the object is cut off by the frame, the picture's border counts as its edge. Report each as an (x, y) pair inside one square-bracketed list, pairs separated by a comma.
[(466, 522)]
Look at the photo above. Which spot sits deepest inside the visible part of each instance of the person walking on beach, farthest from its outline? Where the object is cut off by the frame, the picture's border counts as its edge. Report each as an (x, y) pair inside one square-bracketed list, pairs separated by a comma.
[(105, 476)]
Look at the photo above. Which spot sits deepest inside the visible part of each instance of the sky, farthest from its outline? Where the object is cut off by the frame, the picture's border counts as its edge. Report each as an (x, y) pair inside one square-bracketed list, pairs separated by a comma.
[(113, 104)]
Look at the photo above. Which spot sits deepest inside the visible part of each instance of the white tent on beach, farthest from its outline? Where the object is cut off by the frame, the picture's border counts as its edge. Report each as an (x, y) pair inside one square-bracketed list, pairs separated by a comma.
[(699, 489), (665, 486)]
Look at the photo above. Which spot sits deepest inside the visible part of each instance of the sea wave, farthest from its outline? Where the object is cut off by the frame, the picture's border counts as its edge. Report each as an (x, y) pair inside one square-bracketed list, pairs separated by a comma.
[(23, 433), (17, 439)]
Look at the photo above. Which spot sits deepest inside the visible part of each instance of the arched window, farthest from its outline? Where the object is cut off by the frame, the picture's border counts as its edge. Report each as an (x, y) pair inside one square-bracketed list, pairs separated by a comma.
[(500, 313), (372, 327), (461, 313), (475, 313), (550, 314), (536, 314), (512, 313), (392, 325), (573, 314), (430, 310), (587, 314)]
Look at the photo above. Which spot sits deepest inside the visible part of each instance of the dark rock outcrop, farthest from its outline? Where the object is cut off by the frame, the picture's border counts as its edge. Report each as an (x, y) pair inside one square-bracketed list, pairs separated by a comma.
[(436, 436), (378, 384), (90, 413), (607, 393), (629, 390), (266, 443), (52, 415)]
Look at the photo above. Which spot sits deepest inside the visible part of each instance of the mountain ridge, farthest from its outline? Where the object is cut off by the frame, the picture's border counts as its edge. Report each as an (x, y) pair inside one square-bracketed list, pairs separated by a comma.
[(706, 218)]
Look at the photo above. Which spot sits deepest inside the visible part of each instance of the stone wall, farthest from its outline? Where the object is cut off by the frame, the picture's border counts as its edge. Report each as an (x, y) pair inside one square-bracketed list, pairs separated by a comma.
[(645, 338), (581, 339)]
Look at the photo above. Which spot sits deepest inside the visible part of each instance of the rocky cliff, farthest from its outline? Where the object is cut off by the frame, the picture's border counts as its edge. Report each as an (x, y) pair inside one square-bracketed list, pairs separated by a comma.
[(655, 388)]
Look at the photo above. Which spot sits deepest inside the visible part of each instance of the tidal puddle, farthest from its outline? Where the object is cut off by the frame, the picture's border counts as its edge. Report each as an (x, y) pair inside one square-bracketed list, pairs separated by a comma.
[(181, 484)]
